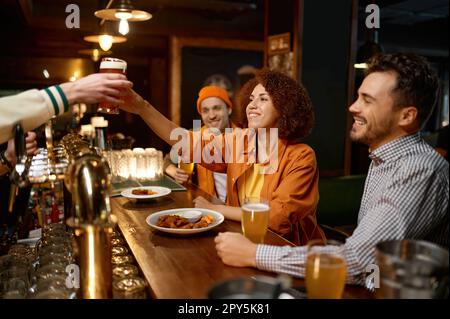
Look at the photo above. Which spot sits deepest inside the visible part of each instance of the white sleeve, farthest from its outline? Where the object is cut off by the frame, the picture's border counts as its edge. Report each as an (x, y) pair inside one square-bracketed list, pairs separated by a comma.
[(32, 108)]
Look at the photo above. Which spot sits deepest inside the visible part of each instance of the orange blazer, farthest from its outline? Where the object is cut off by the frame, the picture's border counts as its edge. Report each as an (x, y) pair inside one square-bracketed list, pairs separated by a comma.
[(205, 179), (292, 190)]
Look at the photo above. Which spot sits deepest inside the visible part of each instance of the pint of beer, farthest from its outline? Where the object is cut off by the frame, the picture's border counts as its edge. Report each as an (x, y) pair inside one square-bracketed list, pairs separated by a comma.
[(187, 167), (111, 65), (326, 269), (255, 219)]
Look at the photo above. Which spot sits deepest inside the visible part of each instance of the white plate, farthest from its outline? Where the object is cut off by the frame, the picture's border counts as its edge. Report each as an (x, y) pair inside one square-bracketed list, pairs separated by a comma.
[(153, 218), (161, 191)]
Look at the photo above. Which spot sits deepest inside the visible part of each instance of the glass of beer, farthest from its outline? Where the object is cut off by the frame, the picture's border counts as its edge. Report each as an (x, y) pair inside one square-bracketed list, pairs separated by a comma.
[(187, 167), (255, 219), (326, 269), (111, 65)]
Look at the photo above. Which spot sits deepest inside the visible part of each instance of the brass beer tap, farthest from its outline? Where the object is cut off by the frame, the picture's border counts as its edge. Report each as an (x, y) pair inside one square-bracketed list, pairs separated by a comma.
[(88, 181)]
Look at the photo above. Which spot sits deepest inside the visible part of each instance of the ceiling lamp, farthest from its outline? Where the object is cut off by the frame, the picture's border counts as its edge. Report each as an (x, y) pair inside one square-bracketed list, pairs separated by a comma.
[(124, 12), (105, 38)]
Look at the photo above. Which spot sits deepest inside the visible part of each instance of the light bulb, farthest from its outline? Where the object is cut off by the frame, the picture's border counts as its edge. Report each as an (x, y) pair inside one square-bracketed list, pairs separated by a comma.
[(105, 41), (123, 27), (123, 15)]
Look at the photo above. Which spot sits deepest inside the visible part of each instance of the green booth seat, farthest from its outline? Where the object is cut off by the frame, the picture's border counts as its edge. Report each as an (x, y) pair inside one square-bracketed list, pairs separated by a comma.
[(339, 201)]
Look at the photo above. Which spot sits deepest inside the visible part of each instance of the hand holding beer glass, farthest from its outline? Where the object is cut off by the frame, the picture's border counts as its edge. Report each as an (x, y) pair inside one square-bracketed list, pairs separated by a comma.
[(255, 219), (187, 167), (326, 269), (111, 65)]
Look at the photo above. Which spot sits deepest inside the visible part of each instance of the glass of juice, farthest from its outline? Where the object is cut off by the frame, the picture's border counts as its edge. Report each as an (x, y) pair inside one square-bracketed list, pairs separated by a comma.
[(326, 269)]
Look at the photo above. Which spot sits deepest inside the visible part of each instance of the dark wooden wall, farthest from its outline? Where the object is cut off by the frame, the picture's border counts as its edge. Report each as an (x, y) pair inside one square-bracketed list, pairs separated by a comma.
[(326, 41)]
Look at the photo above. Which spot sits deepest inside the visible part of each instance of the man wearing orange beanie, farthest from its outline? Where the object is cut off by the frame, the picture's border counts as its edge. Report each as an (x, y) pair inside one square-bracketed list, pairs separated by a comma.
[(214, 106)]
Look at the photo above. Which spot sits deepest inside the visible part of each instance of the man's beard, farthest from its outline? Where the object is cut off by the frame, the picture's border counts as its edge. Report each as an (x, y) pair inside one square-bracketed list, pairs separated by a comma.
[(370, 136)]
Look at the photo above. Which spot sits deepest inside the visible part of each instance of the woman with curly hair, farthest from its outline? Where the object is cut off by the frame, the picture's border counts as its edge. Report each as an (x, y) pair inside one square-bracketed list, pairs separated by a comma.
[(272, 100)]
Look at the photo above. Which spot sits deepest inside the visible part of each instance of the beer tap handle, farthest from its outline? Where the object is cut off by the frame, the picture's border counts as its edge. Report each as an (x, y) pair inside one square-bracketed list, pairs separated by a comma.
[(19, 174), (19, 143), (16, 174)]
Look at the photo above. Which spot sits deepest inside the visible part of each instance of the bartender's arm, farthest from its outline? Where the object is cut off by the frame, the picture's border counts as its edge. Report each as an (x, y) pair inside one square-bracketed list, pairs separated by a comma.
[(35, 107)]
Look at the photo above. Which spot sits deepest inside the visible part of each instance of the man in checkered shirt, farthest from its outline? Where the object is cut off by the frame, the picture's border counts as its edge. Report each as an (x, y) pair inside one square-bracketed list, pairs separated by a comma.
[(406, 189)]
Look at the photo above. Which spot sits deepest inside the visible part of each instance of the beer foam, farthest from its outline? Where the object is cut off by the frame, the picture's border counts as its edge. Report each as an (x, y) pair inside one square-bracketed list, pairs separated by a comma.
[(115, 64), (256, 207)]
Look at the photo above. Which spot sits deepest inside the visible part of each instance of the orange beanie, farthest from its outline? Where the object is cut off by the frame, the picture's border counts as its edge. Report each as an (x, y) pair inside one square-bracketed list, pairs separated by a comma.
[(213, 91)]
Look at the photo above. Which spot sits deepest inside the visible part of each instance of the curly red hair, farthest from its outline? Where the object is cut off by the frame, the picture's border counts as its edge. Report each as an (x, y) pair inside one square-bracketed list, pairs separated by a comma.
[(289, 97)]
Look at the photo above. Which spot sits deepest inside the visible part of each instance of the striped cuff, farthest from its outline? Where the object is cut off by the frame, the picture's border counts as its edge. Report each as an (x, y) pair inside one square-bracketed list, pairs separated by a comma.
[(55, 99)]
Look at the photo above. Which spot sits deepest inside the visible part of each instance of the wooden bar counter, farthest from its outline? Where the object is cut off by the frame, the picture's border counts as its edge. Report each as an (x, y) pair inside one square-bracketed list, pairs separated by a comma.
[(185, 267)]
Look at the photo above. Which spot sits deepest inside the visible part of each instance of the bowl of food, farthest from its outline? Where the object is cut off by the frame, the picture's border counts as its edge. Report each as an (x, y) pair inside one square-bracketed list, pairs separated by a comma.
[(174, 220)]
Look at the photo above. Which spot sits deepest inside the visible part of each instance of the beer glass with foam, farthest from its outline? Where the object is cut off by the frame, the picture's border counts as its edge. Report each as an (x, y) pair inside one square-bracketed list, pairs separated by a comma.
[(326, 269), (255, 218), (111, 65)]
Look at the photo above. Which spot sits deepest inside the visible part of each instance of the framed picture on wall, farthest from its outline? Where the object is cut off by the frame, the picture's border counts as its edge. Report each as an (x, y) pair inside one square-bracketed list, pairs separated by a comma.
[(283, 62), (279, 44), (280, 56)]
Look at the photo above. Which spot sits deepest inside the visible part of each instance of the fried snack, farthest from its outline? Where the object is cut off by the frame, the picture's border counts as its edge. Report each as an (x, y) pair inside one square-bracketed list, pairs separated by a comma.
[(176, 221), (173, 221), (143, 191), (204, 221)]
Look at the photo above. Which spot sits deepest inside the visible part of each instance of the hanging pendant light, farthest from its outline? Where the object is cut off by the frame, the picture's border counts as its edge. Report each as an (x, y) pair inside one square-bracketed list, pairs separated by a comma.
[(123, 12), (105, 38)]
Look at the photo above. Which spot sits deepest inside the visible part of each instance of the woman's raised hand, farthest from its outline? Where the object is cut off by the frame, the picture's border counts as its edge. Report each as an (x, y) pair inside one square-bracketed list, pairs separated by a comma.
[(133, 102)]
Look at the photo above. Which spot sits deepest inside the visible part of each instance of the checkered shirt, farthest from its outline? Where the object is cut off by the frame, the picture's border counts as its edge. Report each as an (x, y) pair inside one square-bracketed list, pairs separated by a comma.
[(405, 197)]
